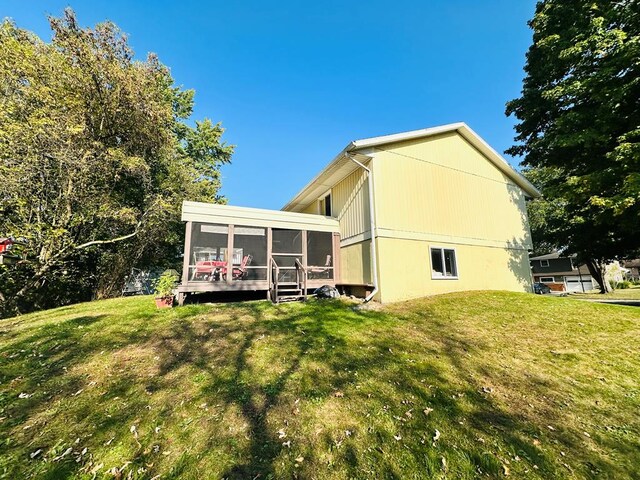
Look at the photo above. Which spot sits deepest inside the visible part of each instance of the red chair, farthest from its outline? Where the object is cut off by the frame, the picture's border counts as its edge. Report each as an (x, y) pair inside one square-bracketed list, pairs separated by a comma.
[(240, 271), (207, 270)]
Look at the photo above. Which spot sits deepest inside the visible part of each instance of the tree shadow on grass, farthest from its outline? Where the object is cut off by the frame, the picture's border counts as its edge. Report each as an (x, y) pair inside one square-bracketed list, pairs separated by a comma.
[(369, 373)]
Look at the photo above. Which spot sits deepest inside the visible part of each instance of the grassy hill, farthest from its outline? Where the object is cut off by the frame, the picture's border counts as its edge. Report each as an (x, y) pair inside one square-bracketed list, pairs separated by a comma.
[(456, 386)]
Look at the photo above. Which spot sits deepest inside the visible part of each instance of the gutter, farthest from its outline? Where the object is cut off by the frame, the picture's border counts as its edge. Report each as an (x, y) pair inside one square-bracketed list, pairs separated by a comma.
[(374, 250)]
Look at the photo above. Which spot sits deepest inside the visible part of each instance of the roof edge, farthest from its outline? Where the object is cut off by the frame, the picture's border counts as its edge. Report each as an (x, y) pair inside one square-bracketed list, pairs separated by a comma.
[(462, 128)]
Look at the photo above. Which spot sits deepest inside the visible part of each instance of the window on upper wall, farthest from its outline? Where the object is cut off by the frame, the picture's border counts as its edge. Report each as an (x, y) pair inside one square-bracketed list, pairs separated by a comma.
[(443, 263), (326, 205), (544, 263)]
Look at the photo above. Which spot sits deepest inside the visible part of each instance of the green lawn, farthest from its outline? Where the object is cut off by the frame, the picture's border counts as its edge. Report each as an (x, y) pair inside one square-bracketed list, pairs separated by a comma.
[(632, 293), (456, 386)]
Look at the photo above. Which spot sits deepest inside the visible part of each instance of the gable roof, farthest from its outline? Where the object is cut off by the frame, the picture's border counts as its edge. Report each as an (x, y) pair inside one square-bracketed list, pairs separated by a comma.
[(341, 166)]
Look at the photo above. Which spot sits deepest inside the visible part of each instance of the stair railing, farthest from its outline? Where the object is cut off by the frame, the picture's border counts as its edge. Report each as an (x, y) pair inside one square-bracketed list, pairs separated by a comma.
[(302, 283), (275, 273)]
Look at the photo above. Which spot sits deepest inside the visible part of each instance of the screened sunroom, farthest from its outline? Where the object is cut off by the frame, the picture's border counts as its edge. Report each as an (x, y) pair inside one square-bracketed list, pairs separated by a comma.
[(284, 254)]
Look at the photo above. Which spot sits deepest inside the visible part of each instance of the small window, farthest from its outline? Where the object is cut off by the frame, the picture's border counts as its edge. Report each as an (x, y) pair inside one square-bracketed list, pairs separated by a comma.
[(546, 279), (443, 263), (544, 263), (327, 205)]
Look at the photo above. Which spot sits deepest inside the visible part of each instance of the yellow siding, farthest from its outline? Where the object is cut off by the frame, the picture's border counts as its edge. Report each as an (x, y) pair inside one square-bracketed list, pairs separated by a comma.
[(350, 205), (311, 208), (443, 192), (436, 191), (405, 269), (355, 264), (443, 187)]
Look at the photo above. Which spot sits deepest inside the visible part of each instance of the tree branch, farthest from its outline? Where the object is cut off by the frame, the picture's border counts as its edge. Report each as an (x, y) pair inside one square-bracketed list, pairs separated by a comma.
[(113, 240)]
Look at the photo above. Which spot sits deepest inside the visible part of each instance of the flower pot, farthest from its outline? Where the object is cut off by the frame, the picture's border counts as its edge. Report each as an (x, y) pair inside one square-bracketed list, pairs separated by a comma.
[(164, 302)]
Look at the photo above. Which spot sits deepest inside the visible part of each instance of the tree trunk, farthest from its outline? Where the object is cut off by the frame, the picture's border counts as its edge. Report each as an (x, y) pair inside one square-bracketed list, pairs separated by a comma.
[(597, 269)]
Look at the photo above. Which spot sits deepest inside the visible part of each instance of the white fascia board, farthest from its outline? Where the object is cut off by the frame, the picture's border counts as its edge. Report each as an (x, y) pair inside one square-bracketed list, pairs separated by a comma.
[(228, 214), (401, 137)]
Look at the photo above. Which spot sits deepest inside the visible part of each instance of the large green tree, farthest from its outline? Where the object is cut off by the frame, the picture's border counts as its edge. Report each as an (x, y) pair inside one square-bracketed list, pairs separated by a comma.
[(579, 126), (96, 156)]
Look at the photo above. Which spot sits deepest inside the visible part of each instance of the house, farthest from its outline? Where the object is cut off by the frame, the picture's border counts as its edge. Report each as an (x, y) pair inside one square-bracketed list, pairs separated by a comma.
[(7, 244), (561, 273), (632, 268), (444, 210)]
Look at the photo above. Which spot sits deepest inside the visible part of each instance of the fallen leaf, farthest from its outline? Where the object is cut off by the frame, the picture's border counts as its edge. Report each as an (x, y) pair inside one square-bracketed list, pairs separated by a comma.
[(36, 453), (551, 428), (397, 437), (586, 434), (338, 394), (436, 436), (287, 444), (299, 459), (281, 434), (536, 442), (505, 470), (427, 410), (64, 454), (25, 395)]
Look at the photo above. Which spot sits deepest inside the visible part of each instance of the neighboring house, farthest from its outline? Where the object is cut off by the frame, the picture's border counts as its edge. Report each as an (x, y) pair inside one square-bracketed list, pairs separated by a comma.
[(7, 244), (561, 274), (633, 269), (446, 213)]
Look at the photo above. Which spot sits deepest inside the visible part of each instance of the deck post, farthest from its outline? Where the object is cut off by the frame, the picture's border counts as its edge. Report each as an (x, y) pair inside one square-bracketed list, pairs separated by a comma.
[(187, 253), (335, 263), (304, 248), (230, 255), (304, 264), (269, 252)]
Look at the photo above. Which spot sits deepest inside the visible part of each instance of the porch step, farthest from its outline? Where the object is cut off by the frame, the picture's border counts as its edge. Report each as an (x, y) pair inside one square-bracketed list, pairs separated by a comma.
[(289, 298)]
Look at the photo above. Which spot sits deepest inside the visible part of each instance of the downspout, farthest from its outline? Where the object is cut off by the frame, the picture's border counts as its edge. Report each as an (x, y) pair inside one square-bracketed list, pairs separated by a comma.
[(374, 250)]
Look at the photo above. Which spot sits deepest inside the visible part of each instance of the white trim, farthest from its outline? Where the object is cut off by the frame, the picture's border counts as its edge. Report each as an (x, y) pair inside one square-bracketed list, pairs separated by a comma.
[(542, 280), (359, 238), (444, 268), (457, 240), (542, 264), (256, 217)]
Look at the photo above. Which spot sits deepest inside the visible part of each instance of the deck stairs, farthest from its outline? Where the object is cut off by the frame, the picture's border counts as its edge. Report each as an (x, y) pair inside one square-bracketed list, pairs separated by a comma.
[(281, 290)]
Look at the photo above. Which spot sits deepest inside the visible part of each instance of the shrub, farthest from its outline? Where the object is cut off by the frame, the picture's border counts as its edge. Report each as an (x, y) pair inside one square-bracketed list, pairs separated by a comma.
[(166, 284)]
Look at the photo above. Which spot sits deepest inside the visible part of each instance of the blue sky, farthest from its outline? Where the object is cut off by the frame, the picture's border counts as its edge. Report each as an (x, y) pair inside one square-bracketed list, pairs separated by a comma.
[(294, 82)]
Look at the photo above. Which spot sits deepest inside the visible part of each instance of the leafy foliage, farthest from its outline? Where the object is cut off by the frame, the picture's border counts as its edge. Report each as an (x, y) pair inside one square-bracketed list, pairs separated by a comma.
[(95, 159), (166, 283), (579, 128)]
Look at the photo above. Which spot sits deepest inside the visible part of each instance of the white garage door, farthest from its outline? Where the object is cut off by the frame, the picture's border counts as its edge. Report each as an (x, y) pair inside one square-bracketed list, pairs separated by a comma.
[(574, 284)]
